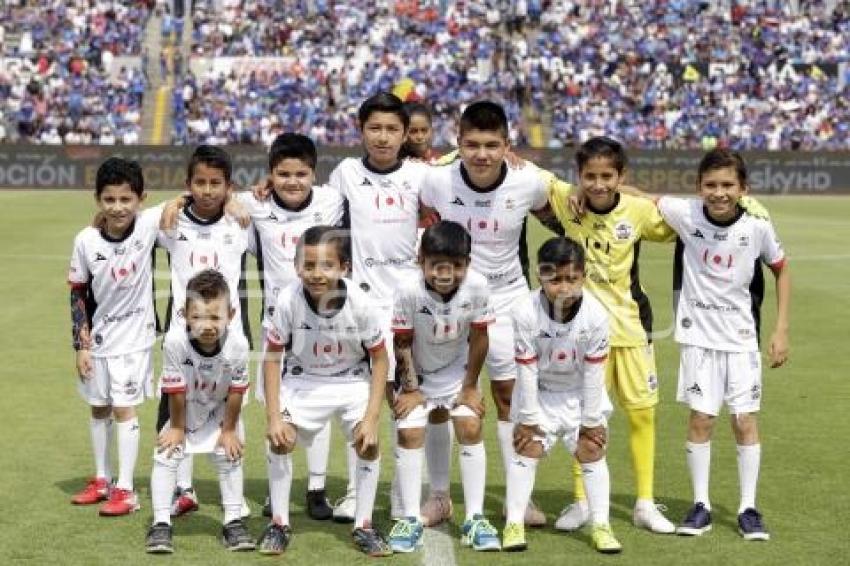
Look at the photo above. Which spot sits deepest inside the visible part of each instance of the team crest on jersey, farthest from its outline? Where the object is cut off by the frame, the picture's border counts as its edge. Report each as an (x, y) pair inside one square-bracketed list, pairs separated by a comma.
[(623, 230), (228, 239), (138, 245), (510, 203), (743, 240), (317, 217)]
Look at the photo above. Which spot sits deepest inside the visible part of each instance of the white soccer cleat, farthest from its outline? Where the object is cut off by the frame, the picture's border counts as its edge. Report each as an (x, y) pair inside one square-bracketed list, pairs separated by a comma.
[(647, 515), (574, 516), (345, 508)]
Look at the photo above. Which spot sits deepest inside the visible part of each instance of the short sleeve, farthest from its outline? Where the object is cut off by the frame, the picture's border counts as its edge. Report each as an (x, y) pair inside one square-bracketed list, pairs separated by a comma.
[(78, 270), (403, 312), (674, 211), (525, 350), (541, 193), (277, 325), (653, 227), (427, 194), (771, 252), (482, 315), (596, 349), (371, 334), (173, 378), (335, 180), (238, 369), (251, 240)]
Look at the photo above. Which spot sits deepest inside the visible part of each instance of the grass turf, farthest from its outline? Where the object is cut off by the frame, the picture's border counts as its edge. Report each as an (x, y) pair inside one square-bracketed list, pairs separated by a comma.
[(802, 489)]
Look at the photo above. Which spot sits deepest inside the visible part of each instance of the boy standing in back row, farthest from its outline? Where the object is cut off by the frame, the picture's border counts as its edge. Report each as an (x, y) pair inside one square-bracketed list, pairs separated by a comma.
[(719, 278)]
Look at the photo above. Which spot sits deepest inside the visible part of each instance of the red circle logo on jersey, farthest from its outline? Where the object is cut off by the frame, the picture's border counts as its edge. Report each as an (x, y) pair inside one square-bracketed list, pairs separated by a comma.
[(717, 259), (482, 224), (390, 201), (328, 348), (123, 272), (562, 355)]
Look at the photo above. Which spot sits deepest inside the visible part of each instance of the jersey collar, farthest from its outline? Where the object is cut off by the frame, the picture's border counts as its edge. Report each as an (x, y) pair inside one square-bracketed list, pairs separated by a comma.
[(120, 239), (216, 351), (187, 210), (605, 210), (315, 308), (434, 293), (550, 309), (299, 208), (503, 172), (377, 171), (739, 212)]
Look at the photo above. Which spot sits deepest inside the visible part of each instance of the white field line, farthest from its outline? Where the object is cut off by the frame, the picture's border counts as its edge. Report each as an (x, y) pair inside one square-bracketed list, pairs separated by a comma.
[(438, 547)]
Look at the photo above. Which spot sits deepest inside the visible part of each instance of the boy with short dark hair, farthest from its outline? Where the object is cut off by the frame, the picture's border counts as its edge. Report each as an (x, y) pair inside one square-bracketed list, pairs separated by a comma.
[(440, 325), (205, 375), (720, 288), (492, 201), (114, 326), (337, 365), (561, 336)]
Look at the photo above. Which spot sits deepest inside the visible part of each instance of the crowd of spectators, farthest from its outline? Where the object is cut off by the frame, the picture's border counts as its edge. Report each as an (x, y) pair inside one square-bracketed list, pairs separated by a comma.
[(340, 54), (676, 74), (685, 74), (57, 84)]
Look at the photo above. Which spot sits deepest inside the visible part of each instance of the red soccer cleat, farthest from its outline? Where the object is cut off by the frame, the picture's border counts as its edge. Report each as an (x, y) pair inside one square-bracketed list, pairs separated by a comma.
[(121, 502), (96, 490)]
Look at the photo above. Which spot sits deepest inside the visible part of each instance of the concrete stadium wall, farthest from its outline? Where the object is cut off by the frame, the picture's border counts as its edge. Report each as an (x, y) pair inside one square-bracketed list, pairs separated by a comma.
[(74, 167)]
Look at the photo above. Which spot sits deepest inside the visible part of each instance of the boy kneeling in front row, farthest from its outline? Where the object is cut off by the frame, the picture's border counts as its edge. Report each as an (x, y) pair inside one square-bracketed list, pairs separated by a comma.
[(205, 374), (561, 344)]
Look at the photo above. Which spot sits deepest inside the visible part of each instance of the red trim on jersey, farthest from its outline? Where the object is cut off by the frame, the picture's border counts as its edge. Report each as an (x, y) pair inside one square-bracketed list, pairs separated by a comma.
[(481, 325), (172, 390), (596, 359), (237, 389), (776, 266), (526, 361), (272, 342), (402, 331), (77, 285), (377, 347)]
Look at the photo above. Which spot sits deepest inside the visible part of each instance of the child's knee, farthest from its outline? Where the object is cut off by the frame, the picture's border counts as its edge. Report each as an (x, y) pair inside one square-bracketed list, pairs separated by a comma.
[(411, 438), (101, 412), (700, 426), (468, 430), (745, 427), (532, 450), (588, 451)]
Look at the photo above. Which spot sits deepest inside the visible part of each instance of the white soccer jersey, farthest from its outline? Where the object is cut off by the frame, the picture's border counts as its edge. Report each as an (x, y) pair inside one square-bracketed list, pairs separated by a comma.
[(441, 329), (120, 282), (384, 212), (195, 245), (717, 269), (561, 351), (206, 379), (277, 230), (494, 217), (555, 358), (326, 348)]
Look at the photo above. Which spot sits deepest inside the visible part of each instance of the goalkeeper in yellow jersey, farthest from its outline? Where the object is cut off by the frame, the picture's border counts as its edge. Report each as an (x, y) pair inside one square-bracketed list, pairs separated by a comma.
[(612, 230)]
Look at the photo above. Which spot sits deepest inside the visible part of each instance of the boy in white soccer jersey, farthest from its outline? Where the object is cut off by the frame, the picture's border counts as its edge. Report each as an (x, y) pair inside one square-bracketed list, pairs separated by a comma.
[(720, 288), (382, 196), (561, 343), (492, 201), (440, 322), (336, 366), (114, 326), (205, 374), (203, 238), (293, 206)]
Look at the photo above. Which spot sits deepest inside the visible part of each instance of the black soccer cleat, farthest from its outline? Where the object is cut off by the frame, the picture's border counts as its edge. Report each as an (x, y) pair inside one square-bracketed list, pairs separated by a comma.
[(318, 506), (274, 539), (236, 538), (159, 539)]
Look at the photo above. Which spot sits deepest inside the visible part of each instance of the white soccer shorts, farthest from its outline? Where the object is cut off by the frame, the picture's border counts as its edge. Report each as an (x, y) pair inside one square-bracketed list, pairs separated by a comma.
[(308, 404), (500, 357), (119, 381), (708, 378)]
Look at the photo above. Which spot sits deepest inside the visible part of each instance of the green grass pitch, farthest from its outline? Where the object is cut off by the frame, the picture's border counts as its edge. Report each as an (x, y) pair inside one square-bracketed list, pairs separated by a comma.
[(803, 489)]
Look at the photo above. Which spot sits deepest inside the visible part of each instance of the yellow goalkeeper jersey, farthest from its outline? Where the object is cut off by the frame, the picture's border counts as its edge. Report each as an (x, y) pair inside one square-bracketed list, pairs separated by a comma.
[(612, 239)]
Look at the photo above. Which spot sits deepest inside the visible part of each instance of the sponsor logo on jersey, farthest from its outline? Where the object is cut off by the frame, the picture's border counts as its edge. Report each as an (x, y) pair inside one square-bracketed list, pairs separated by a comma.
[(425, 310), (695, 390), (686, 322), (598, 225), (623, 230), (483, 203), (721, 236), (304, 326), (204, 261), (390, 261), (458, 202), (188, 362), (181, 237), (366, 182), (698, 234), (99, 257), (272, 217)]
